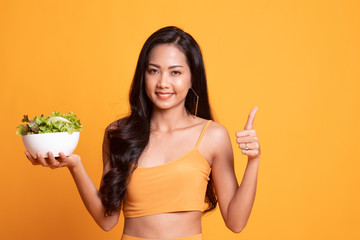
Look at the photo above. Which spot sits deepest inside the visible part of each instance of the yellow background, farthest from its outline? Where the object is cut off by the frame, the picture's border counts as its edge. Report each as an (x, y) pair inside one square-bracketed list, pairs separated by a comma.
[(298, 61)]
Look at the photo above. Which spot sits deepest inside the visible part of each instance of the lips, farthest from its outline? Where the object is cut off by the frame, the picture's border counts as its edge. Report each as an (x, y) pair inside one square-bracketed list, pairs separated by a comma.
[(164, 95)]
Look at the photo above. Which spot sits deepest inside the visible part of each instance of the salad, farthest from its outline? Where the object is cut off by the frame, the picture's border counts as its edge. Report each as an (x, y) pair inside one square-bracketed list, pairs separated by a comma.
[(57, 122)]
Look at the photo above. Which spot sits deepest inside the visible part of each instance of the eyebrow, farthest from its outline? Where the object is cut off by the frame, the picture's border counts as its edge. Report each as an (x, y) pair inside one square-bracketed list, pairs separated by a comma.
[(158, 66)]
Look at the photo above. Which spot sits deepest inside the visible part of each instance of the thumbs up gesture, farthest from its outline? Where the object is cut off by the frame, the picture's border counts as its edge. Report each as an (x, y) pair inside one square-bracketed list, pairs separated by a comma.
[(247, 138)]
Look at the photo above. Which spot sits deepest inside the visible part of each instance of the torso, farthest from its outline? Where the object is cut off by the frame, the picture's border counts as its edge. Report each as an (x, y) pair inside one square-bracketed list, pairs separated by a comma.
[(164, 148)]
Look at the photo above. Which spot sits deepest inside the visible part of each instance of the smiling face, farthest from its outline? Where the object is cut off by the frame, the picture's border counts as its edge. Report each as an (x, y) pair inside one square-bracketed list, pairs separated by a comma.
[(167, 77)]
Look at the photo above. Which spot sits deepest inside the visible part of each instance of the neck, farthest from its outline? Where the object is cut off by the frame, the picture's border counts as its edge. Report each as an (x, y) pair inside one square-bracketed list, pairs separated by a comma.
[(170, 119)]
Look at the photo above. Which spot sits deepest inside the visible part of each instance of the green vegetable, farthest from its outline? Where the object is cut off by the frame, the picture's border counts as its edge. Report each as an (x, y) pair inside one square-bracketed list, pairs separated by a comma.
[(57, 122)]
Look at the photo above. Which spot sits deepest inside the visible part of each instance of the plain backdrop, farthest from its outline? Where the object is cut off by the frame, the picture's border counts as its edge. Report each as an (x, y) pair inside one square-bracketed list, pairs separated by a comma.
[(298, 61)]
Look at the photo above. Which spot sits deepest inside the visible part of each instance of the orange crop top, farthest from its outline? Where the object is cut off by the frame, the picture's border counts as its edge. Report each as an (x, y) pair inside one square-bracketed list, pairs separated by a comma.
[(179, 185)]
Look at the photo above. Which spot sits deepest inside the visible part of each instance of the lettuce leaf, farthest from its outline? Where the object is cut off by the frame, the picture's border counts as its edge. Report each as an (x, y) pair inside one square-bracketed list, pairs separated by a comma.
[(57, 122)]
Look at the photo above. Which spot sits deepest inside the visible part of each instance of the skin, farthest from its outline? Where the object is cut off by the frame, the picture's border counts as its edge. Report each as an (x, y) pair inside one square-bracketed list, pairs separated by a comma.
[(172, 126)]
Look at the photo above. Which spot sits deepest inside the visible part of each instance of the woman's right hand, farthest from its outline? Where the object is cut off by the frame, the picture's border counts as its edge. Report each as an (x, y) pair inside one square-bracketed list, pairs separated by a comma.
[(62, 161)]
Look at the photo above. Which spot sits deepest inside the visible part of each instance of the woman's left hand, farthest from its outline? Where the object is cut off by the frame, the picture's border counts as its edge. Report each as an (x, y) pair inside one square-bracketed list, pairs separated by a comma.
[(247, 138)]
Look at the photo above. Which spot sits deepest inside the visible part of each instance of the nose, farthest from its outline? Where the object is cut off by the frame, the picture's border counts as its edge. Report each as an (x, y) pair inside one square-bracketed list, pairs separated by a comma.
[(163, 81)]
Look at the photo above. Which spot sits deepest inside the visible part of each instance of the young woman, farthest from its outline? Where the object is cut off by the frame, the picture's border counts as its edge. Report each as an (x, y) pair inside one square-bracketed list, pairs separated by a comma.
[(167, 163)]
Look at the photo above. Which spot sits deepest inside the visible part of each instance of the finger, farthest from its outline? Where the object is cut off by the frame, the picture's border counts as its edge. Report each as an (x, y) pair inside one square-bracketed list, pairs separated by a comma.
[(32, 160), (41, 159), (244, 146), (251, 132), (253, 145), (247, 139), (62, 156), (250, 152), (62, 159), (53, 163), (250, 122)]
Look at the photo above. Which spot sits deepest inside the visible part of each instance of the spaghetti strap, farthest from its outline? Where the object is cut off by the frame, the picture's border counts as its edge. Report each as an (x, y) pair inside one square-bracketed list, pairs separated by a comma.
[(202, 133)]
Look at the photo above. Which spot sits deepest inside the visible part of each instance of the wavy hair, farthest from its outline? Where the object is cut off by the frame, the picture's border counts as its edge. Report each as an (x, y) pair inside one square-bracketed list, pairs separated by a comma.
[(130, 136)]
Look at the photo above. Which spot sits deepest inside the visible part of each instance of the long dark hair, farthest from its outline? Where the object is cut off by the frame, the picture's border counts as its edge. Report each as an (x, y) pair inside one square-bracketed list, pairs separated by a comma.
[(129, 137)]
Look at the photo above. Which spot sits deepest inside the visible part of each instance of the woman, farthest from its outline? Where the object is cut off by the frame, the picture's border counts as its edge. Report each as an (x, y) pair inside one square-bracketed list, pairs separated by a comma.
[(163, 161)]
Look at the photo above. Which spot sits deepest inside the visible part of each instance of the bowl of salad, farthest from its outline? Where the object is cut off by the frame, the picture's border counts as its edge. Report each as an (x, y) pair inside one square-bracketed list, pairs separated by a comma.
[(56, 133)]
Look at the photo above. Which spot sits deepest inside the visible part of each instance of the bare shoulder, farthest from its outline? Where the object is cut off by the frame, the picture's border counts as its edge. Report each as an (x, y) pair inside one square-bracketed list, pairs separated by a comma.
[(217, 133), (216, 141)]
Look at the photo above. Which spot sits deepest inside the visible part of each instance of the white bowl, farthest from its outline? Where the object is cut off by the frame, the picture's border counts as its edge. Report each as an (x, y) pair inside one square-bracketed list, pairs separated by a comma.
[(51, 142)]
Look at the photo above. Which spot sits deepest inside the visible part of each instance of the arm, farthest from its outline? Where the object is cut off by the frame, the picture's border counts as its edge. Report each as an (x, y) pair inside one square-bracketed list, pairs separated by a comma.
[(91, 198), (240, 206), (235, 201), (87, 190)]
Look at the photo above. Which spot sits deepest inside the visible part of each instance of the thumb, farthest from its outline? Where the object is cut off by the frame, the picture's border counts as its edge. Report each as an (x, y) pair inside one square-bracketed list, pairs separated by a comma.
[(250, 122)]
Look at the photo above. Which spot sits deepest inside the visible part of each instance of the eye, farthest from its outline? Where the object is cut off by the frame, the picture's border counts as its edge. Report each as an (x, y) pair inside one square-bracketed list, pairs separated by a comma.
[(176, 72), (153, 71)]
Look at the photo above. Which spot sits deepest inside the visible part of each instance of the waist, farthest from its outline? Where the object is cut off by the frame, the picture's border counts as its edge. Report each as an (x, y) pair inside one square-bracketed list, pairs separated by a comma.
[(192, 237), (172, 225)]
